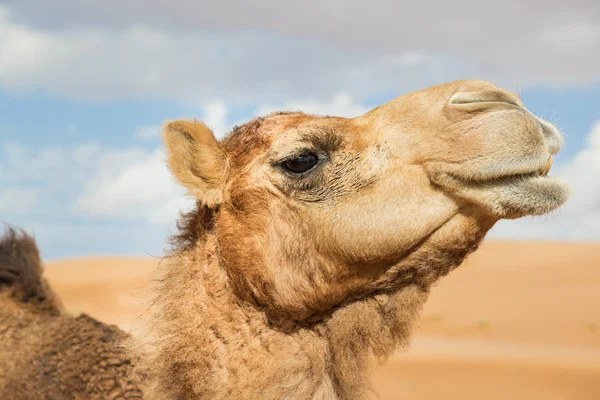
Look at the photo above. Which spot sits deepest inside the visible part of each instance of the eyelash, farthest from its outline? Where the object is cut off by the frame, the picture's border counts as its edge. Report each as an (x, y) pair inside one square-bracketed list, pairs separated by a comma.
[(300, 152)]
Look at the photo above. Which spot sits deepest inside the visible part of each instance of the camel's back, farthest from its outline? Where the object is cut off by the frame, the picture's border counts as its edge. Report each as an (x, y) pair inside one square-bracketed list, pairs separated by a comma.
[(45, 356), (45, 353)]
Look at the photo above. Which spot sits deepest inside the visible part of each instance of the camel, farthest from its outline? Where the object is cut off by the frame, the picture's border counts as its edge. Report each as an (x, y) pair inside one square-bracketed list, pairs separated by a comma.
[(315, 240), (46, 353)]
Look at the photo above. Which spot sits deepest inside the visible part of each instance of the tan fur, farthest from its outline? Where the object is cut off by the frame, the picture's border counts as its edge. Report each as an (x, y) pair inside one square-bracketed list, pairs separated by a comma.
[(47, 354), (289, 286), (284, 286)]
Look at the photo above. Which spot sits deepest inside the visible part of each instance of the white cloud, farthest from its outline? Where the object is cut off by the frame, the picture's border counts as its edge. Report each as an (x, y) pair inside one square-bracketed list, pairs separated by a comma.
[(82, 154), (583, 175), (89, 182), (341, 105), (570, 35), (215, 117), (88, 199), (55, 166), (140, 61), (132, 184), (18, 200), (148, 133), (247, 52)]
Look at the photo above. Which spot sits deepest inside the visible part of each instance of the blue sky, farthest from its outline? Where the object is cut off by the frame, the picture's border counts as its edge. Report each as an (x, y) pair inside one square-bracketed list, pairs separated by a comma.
[(84, 89)]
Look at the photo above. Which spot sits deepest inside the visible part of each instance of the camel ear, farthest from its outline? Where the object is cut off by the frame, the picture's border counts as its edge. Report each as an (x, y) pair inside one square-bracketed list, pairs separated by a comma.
[(196, 159)]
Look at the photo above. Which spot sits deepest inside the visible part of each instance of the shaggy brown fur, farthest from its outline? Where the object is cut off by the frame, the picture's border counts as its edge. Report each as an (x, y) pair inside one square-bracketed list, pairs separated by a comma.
[(45, 353)]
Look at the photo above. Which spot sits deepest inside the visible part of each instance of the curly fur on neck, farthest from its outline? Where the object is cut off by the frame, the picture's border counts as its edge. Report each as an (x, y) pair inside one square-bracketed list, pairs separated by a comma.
[(209, 343)]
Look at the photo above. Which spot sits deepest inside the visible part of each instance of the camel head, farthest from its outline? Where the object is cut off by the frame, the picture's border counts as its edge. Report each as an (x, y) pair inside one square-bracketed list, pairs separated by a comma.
[(311, 212)]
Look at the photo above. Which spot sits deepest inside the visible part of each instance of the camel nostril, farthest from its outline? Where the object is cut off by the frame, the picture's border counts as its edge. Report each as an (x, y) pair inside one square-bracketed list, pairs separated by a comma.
[(477, 98)]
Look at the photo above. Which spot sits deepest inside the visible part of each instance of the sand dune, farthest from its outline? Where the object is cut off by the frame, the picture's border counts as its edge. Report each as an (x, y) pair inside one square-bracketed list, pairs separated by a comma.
[(516, 321)]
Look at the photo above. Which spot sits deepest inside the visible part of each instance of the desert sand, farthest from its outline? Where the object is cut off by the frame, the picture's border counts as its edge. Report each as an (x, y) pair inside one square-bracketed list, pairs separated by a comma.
[(516, 321)]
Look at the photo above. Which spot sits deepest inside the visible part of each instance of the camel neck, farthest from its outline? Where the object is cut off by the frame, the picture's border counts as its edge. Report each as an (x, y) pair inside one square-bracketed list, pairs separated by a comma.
[(211, 344)]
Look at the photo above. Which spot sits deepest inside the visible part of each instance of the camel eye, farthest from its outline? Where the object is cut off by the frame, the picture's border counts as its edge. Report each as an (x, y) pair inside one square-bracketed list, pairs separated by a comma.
[(301, 164)]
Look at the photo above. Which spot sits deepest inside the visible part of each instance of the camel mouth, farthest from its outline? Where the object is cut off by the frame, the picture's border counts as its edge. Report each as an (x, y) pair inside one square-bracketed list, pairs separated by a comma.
[(508, 180), (510, 195), (502, 175)]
